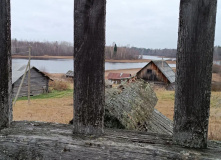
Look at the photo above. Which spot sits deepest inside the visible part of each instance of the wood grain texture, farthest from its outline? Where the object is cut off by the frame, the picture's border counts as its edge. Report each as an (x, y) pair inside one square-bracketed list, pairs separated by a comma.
[(38, 141), (89, 47), (194, 72), (5, 65)]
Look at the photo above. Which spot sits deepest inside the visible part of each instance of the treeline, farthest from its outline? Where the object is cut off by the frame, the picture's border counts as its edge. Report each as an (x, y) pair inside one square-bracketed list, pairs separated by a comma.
[(124, 52), (42, 48), (66, 49), (171, 53), (111, 52)]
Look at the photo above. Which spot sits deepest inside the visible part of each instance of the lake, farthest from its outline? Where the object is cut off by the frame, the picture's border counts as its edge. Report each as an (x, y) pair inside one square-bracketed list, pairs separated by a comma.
[(63, 65)]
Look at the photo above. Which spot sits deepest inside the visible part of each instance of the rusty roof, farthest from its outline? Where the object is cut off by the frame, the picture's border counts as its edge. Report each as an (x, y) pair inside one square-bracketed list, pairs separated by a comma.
[(118, 76)]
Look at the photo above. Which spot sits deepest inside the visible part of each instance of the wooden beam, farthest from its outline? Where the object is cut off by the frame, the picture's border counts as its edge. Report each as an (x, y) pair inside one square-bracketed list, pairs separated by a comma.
[(89, 47), (194, 72), (5, 65), (36, 140)]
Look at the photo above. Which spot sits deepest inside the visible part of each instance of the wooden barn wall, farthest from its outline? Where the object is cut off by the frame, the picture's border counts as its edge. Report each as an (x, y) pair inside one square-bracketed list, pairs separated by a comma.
[(38, 83), (155, 76)]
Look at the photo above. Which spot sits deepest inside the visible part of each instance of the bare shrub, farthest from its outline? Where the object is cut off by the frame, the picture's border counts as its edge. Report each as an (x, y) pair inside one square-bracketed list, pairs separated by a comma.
[(216, 86), (216, 69), (59, 85)]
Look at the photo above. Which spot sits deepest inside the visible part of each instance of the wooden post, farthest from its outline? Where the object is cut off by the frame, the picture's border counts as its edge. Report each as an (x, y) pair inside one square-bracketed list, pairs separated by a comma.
[(89, 47), (5, 65), (194, 72)]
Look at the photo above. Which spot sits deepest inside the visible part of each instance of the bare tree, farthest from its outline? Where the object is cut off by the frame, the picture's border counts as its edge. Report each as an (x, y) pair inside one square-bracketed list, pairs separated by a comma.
[(5, 65), (194, 72), (89, 48)]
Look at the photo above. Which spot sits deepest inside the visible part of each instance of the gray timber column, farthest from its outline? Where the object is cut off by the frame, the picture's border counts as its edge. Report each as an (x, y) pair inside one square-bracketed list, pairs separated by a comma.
[(5, 65), (194, 72), (89, 47)]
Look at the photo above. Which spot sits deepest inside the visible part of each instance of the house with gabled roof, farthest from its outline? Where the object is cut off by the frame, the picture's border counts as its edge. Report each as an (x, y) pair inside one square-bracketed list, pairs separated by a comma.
[(38, 81), (158, 72)]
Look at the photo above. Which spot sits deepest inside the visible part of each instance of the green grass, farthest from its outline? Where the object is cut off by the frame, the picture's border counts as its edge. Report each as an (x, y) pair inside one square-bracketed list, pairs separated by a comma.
[(215, 99), (53, 94)]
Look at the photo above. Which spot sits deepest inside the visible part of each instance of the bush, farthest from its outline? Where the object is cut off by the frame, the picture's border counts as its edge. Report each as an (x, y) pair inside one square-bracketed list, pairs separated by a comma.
[(216, 69), (216, 86), (59, 85)]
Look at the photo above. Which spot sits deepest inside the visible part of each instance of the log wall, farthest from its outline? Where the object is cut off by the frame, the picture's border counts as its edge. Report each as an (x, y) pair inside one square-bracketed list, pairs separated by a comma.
[(155, 76), (39, 84)]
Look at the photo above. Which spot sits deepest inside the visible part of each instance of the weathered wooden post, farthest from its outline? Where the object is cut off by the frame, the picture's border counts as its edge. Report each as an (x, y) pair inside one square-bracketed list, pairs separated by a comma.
[(89, 47), (5, 65), (194, 72)]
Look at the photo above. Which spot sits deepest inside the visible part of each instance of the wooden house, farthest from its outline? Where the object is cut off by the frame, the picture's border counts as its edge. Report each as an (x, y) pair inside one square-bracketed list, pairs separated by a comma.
[(38, 81), (69, 74), (158, 72), (117, 78)]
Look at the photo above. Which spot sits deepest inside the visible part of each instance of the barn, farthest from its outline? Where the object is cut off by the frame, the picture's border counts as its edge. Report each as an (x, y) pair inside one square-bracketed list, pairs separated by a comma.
[(117, 78), (158, 72), (38, 80)]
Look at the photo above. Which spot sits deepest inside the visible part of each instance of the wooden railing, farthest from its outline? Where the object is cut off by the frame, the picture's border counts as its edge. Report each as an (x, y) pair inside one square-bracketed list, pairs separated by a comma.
[(194, 61)]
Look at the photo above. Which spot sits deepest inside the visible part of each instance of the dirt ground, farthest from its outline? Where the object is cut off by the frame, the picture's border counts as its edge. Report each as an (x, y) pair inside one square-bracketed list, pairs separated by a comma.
[(59, 110), (165, 105)]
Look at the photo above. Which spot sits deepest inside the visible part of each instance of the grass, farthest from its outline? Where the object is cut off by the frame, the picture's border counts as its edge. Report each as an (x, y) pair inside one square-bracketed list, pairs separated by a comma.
[(166, 106), (57, 107), (53, 94)]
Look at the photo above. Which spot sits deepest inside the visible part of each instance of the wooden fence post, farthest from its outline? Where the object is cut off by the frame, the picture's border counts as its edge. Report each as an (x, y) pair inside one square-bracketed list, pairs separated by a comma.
[(194, 72), (5, 65), (89, 47)]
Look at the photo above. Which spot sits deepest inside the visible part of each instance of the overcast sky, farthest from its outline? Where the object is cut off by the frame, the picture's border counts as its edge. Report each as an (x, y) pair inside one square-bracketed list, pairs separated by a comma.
[(139, 23)]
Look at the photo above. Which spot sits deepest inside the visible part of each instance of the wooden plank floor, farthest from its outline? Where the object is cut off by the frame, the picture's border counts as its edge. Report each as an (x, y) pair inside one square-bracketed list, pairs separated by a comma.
[(37, 140)]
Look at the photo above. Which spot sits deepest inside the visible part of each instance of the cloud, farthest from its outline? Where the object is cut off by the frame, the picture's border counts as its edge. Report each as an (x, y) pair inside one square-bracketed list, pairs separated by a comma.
[(142, 23)]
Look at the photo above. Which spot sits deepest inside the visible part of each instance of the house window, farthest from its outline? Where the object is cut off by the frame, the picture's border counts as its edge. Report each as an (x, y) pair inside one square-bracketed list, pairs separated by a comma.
[(149, 71)]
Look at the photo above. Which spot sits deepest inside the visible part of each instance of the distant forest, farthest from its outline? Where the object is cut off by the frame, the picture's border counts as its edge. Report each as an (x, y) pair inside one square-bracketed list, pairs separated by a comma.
[(171, 53), (111, 52)]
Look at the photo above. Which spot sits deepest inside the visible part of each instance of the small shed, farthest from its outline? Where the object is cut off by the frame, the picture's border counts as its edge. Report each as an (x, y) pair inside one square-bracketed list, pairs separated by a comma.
[(158, 72), (117, 78), (38, 81), (69, 74)]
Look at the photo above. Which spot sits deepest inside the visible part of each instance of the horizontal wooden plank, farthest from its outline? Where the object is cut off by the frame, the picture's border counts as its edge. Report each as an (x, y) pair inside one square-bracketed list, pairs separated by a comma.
[(35, 140)]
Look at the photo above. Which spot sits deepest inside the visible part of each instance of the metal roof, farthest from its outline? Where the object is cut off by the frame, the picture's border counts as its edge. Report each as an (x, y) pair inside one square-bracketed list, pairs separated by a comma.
[(118, 76), (164, 68), (70, 73), (19, 69)]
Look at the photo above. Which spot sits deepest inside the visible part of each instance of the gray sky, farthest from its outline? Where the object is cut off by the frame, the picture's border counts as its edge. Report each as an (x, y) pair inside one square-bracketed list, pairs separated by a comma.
[(140, 23)]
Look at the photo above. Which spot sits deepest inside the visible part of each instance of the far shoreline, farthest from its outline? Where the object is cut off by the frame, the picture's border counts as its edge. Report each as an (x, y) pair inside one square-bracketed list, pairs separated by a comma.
[(71, 57)]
